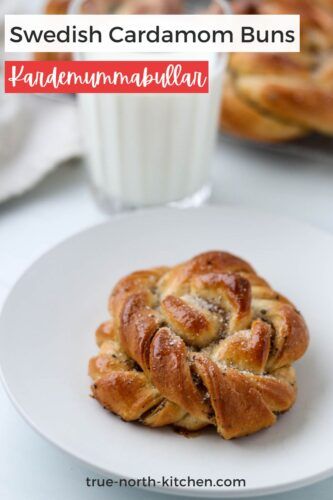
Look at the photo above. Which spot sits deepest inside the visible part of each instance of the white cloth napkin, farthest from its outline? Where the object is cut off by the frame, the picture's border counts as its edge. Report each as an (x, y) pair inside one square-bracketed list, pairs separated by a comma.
[(37, 133)]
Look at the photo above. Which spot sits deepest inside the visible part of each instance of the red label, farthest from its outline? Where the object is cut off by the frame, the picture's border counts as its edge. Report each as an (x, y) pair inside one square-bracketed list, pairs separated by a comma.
[(24, 77)]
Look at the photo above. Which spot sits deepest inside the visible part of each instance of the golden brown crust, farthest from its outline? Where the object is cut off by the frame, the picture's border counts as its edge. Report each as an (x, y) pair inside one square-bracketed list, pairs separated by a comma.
[(105, 332), (171, 374), (279, 97), (137, 328), (128, 394), (238, 406), (247, 349), (207, 342), (228, 291), (197, 326)]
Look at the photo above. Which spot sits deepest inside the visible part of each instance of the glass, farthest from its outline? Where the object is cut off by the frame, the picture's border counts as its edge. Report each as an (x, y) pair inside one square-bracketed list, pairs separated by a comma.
[(146, 150)]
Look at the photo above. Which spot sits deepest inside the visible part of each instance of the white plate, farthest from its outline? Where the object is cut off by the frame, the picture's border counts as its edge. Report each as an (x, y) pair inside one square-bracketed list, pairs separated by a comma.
[(46, 339)]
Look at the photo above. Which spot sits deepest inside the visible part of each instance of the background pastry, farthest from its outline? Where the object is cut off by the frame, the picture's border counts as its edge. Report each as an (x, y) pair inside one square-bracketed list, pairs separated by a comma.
[(279, 97)]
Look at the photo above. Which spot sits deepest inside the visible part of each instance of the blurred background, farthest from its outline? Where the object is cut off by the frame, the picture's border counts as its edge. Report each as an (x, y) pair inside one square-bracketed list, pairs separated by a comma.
[(274, 145), (275, 108), (274, 153)]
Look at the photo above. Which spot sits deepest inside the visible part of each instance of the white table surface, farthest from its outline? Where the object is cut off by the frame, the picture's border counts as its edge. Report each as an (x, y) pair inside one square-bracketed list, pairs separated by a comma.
[(32, 469)]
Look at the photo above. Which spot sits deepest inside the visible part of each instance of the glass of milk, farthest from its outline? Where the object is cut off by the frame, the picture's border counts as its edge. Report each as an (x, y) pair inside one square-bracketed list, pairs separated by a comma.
[(145, 150)]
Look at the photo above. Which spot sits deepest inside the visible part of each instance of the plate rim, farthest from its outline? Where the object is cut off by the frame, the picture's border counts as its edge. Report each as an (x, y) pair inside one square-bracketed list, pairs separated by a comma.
[(209, 492)]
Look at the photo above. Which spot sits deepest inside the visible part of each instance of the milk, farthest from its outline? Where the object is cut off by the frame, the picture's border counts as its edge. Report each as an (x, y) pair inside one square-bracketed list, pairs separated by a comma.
[(151, 149)]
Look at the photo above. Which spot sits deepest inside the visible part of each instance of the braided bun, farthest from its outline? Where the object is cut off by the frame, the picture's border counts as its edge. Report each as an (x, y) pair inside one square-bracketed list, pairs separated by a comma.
[(207, 342)]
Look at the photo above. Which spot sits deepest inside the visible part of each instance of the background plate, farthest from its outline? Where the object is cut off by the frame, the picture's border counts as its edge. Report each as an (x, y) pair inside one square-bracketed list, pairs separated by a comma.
[(46, 339)]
